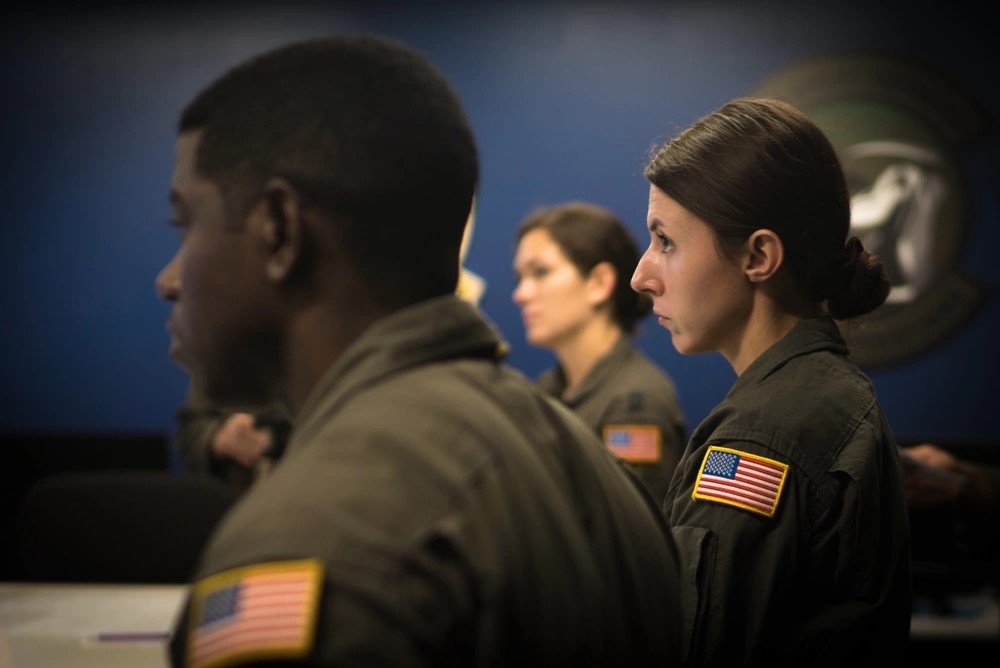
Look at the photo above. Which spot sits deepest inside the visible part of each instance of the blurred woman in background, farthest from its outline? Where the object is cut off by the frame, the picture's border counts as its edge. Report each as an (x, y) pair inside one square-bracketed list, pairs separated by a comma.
[(573, 265)]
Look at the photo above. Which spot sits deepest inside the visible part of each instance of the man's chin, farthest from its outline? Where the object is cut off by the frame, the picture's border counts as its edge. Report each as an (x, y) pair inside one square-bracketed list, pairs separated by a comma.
[(223, 392), (178, 357)]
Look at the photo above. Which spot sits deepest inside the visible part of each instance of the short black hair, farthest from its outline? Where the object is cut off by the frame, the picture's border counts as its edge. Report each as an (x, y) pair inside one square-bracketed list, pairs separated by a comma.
[(588, 234), (369, 132)]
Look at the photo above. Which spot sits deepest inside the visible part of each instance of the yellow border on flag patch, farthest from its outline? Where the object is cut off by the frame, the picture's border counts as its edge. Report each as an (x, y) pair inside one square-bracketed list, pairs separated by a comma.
[(312, 572), (732, 502)]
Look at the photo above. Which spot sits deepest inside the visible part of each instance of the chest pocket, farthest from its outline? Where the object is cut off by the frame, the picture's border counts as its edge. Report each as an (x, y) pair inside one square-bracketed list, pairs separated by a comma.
[(698, 547)]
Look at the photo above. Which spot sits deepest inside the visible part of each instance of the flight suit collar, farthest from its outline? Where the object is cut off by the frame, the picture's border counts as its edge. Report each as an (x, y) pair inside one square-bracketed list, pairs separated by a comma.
[(805, 337), (596, 377), (433, 330)]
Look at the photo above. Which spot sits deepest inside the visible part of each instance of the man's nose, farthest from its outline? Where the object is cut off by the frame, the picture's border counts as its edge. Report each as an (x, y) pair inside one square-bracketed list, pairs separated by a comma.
[(168, 281)]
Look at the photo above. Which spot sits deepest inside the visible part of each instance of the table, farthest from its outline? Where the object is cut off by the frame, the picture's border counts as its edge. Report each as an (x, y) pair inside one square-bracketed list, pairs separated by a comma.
[(105, 626), (86, 625)]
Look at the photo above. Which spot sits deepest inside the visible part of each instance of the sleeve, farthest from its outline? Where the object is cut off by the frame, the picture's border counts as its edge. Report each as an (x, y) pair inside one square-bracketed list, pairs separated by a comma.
[(781, 563), (360, 585), (197, 424), (736, 562), (350, 630), (365, 605), (647, 432)]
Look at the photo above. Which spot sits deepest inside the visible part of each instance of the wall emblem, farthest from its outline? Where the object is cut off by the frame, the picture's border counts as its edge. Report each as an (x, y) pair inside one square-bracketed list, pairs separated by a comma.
[(899, 128)]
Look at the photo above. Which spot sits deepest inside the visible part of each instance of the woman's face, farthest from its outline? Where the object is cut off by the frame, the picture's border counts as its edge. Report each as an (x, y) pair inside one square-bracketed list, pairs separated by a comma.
[(700, 296), (555, 299)]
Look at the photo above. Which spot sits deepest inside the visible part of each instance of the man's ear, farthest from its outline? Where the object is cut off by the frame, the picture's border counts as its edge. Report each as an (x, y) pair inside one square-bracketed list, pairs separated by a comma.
[(601, 283), (282, 228), (765, 253)]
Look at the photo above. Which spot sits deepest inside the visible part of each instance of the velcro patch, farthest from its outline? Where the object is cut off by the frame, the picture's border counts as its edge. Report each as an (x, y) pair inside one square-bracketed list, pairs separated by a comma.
[(264, 611), (634, 442), (740, 479)]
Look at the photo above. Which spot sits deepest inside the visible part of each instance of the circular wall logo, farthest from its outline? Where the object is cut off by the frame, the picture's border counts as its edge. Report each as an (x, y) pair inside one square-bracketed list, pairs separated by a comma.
[(898, 128)]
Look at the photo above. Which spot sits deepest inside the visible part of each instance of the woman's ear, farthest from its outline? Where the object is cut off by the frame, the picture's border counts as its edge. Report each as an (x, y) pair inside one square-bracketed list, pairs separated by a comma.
[(765, 255), (601, 283), (278, 221)]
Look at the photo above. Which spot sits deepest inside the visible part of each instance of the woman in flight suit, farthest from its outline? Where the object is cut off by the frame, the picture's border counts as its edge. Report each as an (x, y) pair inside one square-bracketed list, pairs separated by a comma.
[(573, 263), (788, 501)]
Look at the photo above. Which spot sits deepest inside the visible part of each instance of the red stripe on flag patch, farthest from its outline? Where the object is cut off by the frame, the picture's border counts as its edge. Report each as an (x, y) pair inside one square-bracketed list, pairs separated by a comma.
[(740, 479)]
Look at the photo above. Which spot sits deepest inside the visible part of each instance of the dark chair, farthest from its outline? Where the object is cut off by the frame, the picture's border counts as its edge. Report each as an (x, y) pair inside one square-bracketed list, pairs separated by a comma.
[(118, 526), (29, 457)]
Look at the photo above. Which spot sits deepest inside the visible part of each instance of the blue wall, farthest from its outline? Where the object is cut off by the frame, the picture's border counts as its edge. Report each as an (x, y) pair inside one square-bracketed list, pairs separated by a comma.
[(565, 100)]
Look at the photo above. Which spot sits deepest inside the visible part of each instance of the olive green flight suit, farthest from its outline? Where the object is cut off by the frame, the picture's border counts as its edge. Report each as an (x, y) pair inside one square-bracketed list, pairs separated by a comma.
[(625, 390), (806, 565), (456, 515)]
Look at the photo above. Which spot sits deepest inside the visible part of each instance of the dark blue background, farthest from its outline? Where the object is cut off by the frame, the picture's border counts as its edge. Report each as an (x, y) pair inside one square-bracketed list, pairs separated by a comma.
[(565, 100)]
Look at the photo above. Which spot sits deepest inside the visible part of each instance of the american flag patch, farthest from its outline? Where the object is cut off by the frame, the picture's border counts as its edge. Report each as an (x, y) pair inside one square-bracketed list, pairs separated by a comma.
[(261, 611), (740, 479), (632, 442)]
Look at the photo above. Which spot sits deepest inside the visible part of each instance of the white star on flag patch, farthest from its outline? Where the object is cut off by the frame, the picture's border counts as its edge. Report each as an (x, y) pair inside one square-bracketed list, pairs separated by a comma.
[(740, 479)]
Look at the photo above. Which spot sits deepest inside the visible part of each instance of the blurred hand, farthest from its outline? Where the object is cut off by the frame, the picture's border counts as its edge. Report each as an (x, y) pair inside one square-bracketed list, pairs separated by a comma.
[(933, 456), (240, 440), (934, 476)]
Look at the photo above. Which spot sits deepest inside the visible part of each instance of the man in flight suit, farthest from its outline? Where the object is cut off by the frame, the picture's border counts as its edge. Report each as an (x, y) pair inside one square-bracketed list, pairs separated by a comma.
[(431, 507)]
